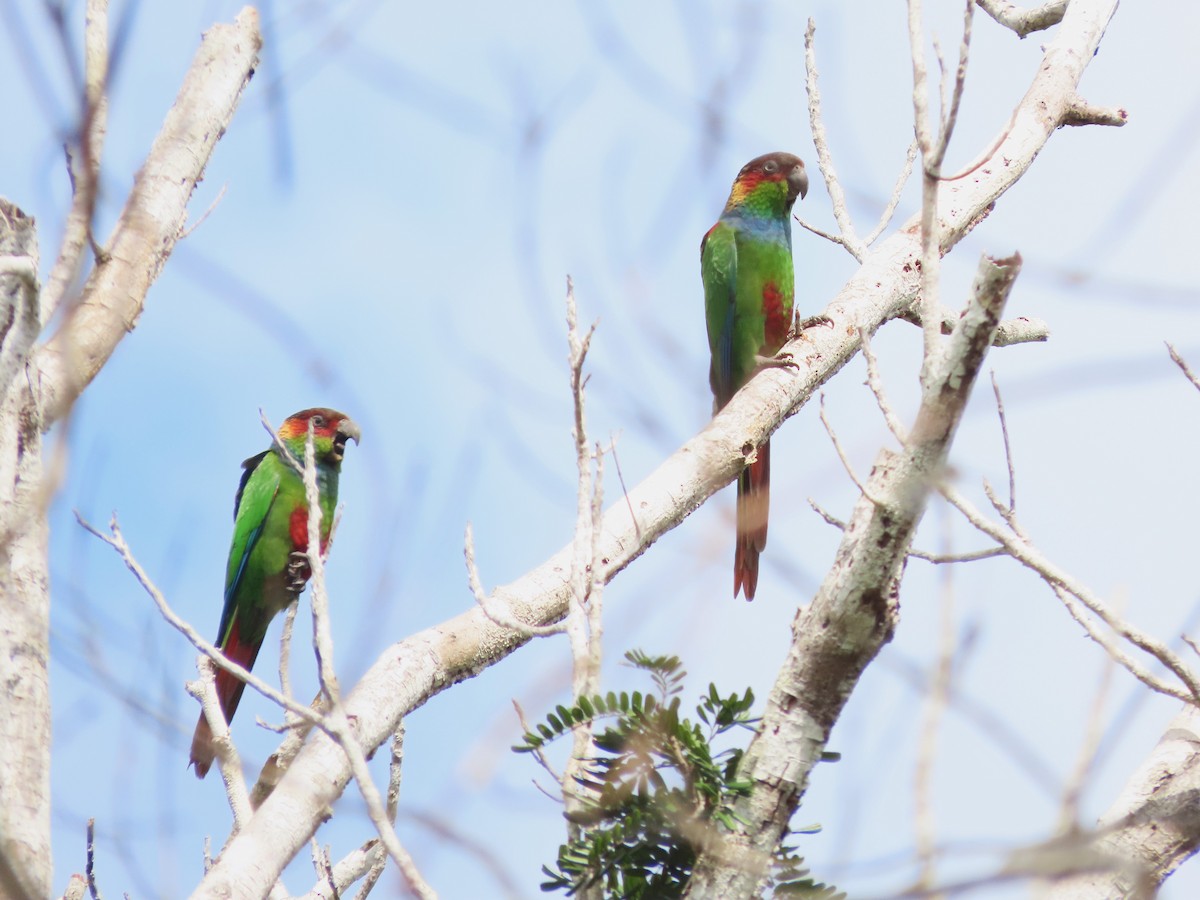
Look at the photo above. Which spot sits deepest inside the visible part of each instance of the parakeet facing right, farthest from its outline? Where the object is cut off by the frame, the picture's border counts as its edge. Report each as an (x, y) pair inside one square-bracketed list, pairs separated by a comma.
[(267, 563), (749, 285)]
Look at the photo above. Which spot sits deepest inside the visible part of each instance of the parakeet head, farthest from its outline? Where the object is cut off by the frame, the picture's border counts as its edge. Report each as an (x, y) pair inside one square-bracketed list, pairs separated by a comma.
[(331, 430), (769, 184)]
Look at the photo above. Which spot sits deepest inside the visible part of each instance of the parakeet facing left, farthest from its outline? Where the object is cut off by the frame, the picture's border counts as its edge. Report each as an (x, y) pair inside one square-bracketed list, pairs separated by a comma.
[(749, 286), (267, 564)]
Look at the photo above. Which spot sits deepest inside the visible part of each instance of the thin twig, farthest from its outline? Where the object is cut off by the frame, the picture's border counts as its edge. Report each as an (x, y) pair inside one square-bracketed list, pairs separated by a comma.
[(358, 863), (85, 177), (940, 559), (950, 116), (1069, 818), (894, 201), (229, 761), (935, 708), (930, 237), (849, 238), (539, 754), (935, 558), (116, 540), (837, 446), (323, 866), (492, 609), (820, 232), (583, 622), (829, 517), (90, 869), (373, 875), (1068, 591), (1182, 363), (933, 153), (875, 383), (187, 232), (336, 722), (285, 647), (612, 446), (395, 770), (1008, 457)]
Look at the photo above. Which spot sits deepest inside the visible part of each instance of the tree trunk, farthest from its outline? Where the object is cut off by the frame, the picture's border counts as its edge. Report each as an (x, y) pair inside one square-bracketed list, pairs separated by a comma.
[(25, 865)]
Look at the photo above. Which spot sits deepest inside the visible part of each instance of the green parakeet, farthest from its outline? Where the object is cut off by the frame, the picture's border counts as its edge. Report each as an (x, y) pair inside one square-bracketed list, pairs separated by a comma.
[(267, 565), (749, 285)]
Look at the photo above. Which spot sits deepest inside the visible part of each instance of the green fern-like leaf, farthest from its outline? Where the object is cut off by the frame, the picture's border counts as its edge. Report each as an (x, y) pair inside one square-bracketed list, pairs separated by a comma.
[(653, 782)]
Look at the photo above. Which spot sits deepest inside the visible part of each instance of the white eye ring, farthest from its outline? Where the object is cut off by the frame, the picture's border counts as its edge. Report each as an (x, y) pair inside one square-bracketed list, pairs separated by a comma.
[(770, 166), (318, 421)]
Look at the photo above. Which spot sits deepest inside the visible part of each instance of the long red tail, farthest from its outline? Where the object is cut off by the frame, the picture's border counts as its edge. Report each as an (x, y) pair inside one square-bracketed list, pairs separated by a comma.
[(229, 693), (753, 503)]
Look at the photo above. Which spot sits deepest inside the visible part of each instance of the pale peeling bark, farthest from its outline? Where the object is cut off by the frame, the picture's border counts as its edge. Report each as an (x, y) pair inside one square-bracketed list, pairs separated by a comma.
[(412, 671), (856, 609), (38, 386), (1025, 21), (1153, 826), (25, 863)]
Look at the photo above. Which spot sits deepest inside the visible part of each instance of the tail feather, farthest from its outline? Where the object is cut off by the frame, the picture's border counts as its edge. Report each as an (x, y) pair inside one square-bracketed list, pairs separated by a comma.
[(753, 502), (229, 694)]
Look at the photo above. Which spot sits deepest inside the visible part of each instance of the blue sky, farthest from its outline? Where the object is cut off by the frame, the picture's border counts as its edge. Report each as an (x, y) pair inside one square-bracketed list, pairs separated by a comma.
[(406, 190)]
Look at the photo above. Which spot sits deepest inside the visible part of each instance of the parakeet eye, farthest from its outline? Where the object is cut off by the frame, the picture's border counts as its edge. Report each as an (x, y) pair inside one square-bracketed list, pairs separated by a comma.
[(318, 421), (770, 166)]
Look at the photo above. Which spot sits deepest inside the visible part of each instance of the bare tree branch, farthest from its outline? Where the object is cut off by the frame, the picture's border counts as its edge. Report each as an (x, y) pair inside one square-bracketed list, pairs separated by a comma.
[(885, 217), (854, 612), (1080, 112), (1076, 597), (153, 217), (25, 864), (848, 236), (1152, 827), (228, 759), (1183, 366), (412, 671), (116, 540), (1025, 21), (336, 722), (85, 168)]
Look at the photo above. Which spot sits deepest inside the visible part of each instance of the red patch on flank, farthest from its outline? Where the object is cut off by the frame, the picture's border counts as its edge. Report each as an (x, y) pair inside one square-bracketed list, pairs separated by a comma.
[(298, 528), (778, 317)]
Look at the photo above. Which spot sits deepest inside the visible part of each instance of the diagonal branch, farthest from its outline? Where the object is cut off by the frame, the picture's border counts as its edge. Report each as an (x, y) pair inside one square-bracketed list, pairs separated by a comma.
[(1154, 824), (153, 216), (848, 236), (854, 612), (412, 671), (85, 167)]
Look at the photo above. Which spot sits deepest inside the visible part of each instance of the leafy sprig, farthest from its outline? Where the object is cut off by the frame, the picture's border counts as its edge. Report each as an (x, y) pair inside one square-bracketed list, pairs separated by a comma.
[(656, 787)]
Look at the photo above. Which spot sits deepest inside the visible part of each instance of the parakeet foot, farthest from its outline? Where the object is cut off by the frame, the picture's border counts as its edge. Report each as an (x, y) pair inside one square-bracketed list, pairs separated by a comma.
[(813, 321), (782, 360), (297, 573)]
